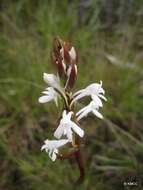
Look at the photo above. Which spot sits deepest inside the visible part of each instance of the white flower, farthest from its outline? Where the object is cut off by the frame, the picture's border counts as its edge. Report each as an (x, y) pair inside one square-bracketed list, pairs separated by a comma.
[(67, 126), (49, 95), (53, 81), (51, 147), (52, 92), (94, 90), (91, 107)]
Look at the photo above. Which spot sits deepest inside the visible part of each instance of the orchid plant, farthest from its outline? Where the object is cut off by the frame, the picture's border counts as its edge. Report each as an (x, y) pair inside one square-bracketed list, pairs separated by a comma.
[(68, 132)]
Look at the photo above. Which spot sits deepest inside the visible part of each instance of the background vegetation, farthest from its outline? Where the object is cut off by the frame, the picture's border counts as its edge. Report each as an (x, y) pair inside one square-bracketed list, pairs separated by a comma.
[(109, 36)]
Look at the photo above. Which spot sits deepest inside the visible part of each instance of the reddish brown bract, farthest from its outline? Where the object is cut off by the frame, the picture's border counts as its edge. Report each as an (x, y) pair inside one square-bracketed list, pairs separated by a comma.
[(64, 57)]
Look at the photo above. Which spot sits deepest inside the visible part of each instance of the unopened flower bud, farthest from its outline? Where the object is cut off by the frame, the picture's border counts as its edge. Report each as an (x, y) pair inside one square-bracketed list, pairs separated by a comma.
[(64, 56), (67, 47), (72, 74), (72, 54), (58, 56)]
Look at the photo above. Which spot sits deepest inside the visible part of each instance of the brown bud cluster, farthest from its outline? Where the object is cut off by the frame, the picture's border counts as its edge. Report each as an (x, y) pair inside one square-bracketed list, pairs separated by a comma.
[(65, 57)]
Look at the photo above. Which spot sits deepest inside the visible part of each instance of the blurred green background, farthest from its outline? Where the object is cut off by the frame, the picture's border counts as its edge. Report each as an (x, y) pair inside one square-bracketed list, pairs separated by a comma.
[(109, 37)]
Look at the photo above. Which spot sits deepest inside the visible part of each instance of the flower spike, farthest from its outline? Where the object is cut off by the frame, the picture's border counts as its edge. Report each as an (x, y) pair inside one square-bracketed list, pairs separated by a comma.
[(65, 58)]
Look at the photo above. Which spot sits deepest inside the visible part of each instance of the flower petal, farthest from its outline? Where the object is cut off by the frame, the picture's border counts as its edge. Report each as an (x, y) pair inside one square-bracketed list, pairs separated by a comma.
[(52, 80), (81, 95), (50, 153), (43, 147), (83, 114), (45, 92), (64, 113), (82, 110), (61, 142), (70, 114), (59, 132), (53, 157), (77, 129), (69, 134), (44, 99), (103, 97), (99, 115), (97, 100)]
